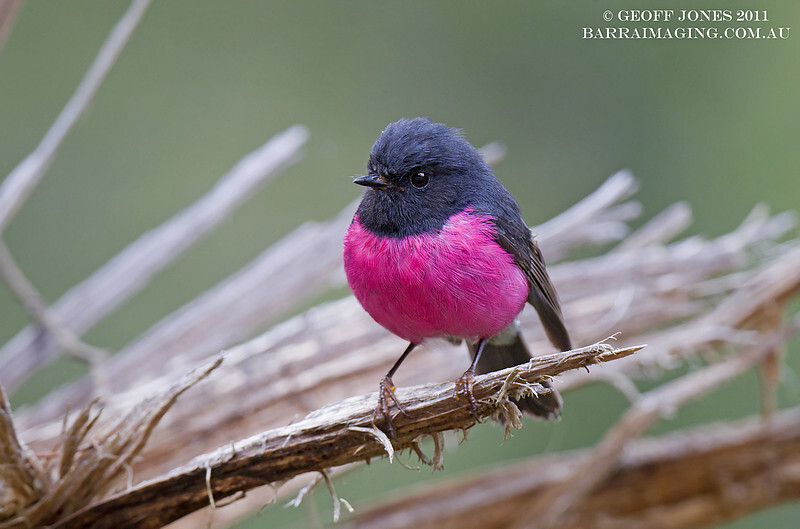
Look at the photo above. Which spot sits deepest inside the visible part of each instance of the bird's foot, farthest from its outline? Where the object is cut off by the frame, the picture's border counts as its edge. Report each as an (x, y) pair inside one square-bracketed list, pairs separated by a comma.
[(386, 394), (464, 385)]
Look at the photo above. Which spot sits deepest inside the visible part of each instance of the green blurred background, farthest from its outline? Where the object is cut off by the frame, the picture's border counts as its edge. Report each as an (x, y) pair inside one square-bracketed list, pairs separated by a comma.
[(712, 122)]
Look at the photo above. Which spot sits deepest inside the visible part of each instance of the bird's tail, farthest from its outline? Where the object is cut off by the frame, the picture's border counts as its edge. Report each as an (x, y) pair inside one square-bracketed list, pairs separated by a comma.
[(507, 350)]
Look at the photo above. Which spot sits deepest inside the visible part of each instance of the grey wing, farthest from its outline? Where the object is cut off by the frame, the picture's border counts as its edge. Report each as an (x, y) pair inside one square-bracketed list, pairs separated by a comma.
[(516, 239), (544, 299)]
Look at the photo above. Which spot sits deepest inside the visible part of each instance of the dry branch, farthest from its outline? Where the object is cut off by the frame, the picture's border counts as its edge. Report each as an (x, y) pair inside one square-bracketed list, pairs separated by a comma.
[(236, 308), (19, 184), (335, 435), (22, 479), (599, 218), (84, 305), (753, 296), (693, 478), (554, 506), (87, 466), (37, 309), (131, 269)]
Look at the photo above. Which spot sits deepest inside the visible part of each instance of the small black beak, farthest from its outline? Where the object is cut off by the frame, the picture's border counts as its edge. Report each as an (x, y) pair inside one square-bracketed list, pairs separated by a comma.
[(373, 180)]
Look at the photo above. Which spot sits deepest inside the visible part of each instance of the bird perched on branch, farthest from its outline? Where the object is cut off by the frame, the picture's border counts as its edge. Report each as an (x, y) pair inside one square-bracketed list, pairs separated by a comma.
[(438, 248)]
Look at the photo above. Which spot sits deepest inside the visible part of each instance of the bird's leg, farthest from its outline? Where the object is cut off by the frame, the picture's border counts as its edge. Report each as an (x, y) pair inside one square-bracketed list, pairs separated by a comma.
[(386, 393), (465, 381)]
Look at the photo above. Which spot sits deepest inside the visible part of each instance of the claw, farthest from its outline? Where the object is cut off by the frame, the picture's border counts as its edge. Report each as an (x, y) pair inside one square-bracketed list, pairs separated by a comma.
[(385, 394), (464, 385)]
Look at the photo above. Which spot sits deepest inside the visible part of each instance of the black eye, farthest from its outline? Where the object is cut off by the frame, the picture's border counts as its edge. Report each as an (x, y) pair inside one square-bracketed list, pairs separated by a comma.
[(420, 179)]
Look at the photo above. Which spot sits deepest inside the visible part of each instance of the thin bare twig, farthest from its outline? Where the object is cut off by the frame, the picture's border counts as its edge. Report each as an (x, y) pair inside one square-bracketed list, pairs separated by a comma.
[(597, 219), (19, 184), (660, 229), (36, 307), (493, 152), (325, 476)]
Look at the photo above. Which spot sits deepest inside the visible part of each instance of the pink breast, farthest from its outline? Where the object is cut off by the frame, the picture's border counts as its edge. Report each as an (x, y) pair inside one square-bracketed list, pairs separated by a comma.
[(457, 282)]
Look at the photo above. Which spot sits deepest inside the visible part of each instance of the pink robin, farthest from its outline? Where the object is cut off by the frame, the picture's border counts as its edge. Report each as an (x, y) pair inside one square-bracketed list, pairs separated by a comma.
[(438, 248)]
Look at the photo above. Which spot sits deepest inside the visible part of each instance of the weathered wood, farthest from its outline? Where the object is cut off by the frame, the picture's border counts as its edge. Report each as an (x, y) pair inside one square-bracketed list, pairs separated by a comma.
[(332, 436), (695, 478), (698, 293)]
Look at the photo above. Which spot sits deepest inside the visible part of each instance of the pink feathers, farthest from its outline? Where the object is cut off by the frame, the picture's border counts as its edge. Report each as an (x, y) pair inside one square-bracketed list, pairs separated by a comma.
[(455, 282)]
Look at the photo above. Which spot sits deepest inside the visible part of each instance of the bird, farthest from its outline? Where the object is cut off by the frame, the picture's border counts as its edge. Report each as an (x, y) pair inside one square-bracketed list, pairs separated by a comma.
[(438, 248)]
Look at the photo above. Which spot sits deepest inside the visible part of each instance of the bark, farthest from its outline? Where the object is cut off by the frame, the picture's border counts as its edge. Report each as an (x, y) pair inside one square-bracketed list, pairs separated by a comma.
[(335, 435)]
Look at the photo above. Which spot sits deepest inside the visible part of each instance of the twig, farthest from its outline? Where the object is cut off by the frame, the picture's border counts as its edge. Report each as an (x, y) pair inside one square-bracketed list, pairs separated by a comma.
[(302, 493), (381, 437), (22, 479), (600, 212), (211, 501), (660, 229), (36, 307), (18, 185), (130, 270), (236, 308), (756, 297), (87, 473), (321, 441), (334, 497)]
